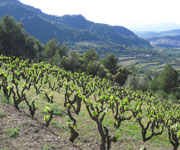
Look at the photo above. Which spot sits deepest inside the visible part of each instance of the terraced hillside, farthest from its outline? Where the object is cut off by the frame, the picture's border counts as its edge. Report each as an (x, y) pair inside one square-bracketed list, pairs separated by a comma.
[(52, 106)]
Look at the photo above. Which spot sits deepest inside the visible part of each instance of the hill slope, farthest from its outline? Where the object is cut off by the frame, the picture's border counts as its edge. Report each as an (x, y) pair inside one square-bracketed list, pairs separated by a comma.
[(30, 133), (75, 30), (170, 38)]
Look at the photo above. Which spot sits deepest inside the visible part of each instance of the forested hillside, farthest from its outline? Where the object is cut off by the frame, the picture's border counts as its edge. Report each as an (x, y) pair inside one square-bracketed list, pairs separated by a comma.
[(75, 30)]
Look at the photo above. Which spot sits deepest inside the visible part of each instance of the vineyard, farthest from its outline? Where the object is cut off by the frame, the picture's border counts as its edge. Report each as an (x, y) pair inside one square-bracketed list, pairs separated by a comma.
[(90, 109)]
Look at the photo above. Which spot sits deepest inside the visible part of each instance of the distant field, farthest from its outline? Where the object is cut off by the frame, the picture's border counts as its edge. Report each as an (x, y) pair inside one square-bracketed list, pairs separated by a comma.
[(148, 64), (176, 67), (126, 58), (128, 62), (144, 64)]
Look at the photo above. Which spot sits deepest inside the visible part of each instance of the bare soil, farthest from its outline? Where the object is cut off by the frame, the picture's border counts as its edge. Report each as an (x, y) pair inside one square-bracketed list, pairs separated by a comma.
[(31, 135)]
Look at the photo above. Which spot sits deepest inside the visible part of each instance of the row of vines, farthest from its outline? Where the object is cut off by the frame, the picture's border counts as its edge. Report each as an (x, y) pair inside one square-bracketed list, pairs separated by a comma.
[(99, 96)]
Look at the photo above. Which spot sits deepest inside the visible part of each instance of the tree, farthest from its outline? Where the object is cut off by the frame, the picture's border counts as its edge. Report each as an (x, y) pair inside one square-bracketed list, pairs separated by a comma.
[(14, 41), (121, 76), (57, 59), (90, 55), (153, 84), (50, 49), (12, 37), (110, 62), (92, 67), (59, 54), (63, 51), (168, 79), (33, 48), (103, 72), (137, 82), (72, 62)]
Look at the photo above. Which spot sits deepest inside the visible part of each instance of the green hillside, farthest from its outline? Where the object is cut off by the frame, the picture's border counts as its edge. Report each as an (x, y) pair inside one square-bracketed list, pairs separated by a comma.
[(52, 106), (73, 29)]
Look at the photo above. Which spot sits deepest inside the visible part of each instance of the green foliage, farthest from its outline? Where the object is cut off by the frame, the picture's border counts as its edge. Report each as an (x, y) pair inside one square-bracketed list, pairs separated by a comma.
[(90, 55), (4, 148), (46, 110), (57, 59), (92, 67), (57, 111), (14, 41), (5, 100), (98, 97), (63, 51), (132, 82), (166, 83), (103, 72), (45, 147), (49, 147), (121, 76), (110, 62), (138, 83), (1, 114), (13, 132), (50, 49), (72, 62), (168, 79), (49, 115), (153, 85)]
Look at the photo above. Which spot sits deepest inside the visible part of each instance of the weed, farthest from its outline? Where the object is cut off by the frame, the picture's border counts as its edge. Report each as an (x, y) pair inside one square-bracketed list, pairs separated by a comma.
[(53, 123), (49, 147), (64, 127), (4, 148), (56, 111), (5, 100), (1, 114), (13, 132), (45, 147)]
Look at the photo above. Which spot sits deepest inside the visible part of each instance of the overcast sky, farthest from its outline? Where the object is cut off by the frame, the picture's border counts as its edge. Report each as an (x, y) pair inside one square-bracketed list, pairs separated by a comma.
[(114, 12)]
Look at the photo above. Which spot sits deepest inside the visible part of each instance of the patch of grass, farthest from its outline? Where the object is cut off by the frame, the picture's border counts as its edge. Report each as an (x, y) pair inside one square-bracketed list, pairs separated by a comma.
[(54, 123), (64, 127), (49, 147), (67, 118), (13, 132), (56, 110), (4, 148), (45, 147), (4, 100), (1, 114)]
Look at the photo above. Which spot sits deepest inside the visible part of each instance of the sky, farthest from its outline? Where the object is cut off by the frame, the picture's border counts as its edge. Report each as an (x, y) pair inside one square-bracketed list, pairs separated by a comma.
[(114, 12)]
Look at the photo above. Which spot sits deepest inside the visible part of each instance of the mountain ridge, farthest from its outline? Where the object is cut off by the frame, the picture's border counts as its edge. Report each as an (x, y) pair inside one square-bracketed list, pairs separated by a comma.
[(170, 38), (71, 29)]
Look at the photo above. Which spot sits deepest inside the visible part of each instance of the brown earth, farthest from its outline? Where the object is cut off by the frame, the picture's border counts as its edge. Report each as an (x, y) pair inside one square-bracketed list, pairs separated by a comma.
[(31, 135)]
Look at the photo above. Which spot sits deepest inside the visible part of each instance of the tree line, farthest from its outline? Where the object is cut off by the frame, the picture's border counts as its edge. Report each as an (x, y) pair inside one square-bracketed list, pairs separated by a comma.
[(15, 42)]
